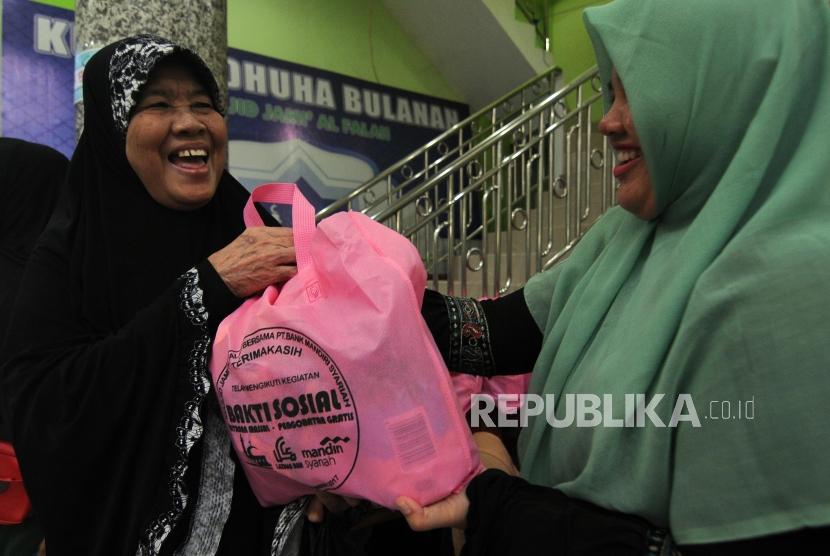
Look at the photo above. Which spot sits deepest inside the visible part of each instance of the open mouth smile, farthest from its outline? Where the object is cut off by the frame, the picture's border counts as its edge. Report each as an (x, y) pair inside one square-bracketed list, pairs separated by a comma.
[(626, 160), (189, 159)]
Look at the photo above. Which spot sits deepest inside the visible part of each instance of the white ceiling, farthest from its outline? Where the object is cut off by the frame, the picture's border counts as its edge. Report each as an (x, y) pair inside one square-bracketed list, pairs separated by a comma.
[(478, 46)]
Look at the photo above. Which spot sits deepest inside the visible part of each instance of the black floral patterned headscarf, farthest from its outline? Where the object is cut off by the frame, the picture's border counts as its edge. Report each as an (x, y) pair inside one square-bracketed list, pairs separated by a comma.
[(131, 64)]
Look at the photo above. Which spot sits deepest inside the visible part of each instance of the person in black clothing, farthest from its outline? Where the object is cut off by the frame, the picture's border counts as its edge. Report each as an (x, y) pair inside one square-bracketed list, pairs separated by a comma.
[(104, 381), (31, 176)]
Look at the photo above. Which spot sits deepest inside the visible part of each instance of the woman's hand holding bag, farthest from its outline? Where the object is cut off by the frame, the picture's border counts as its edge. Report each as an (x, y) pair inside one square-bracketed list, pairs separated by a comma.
[(257, 258)]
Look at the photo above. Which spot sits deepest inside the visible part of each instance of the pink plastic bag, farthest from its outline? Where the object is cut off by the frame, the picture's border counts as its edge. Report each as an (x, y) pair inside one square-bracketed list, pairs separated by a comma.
[(334, 382)]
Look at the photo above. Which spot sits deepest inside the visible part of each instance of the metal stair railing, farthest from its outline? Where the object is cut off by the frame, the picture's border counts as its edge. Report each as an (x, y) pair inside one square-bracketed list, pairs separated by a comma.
[(503, 194), (419, 164)]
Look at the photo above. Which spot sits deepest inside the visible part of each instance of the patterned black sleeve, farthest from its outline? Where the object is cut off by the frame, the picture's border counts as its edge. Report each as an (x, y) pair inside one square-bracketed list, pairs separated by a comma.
[(218, 299), (485, 338)]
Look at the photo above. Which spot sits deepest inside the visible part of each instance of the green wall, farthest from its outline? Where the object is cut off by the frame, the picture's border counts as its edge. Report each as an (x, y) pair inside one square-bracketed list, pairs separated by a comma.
[(358, 38), (66, 4), (570, 44)]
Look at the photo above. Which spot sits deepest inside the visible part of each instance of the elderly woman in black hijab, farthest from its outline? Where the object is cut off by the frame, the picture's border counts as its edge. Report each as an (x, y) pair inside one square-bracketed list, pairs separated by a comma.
[(106, 387)]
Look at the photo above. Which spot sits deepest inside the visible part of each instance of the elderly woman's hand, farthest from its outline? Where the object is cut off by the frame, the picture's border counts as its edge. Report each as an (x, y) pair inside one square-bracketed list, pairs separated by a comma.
[(256, 259)]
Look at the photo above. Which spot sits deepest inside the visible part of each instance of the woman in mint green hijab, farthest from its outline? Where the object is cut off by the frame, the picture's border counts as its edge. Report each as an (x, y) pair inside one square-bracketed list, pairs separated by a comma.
[(707, 288)]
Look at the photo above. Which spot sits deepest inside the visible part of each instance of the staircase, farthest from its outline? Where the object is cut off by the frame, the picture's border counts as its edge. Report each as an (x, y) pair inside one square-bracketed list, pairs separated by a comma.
[(504, 194)]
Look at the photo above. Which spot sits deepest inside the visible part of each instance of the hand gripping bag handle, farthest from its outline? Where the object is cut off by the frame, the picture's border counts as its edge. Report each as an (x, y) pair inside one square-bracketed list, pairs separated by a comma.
[(302, 215)]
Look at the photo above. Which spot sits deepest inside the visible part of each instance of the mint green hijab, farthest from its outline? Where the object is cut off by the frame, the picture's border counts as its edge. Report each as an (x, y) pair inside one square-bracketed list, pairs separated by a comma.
[(725, 296)]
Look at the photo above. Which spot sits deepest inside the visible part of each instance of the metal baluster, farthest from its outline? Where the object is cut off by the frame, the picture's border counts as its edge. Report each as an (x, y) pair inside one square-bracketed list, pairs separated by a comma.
[(497, 200)]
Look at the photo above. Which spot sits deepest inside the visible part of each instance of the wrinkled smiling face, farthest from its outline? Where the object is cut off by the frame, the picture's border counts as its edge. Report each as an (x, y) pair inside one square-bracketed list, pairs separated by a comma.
[(635, 193), (176, 139)]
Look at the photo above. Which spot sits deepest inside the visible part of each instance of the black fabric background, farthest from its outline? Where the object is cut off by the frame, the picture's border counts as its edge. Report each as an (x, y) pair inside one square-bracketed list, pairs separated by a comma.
[(31, 176)]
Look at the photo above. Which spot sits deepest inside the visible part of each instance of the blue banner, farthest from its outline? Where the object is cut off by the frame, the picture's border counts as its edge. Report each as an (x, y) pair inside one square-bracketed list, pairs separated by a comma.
[(324, 131), (38, 74)]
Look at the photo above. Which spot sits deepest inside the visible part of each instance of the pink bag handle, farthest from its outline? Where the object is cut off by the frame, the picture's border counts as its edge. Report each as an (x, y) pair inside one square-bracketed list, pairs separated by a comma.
[(302, 215)]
